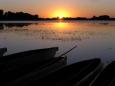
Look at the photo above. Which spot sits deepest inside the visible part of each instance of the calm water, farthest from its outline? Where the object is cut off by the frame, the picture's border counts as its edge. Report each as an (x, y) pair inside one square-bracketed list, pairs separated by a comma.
[(93, 38)]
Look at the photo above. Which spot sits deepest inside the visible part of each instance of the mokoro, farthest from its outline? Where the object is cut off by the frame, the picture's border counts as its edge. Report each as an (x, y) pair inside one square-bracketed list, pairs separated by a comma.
[(70, 75), (24, 73), (106, 77), (2, 51), (31, 56)]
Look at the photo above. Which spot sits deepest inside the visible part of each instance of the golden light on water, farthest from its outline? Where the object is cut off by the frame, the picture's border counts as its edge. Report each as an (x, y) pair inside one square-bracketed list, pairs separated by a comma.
[(62, 26)]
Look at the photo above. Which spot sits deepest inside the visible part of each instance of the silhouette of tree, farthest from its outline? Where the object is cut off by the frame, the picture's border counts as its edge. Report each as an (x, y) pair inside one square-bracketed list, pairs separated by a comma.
[(104, 17), (19, 16), (1, 14), (26, 16), (9, 15), (94, 18)]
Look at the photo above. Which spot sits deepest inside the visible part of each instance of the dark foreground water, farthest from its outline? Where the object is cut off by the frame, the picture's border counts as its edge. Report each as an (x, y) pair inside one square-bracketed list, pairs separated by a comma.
[(95, 39)]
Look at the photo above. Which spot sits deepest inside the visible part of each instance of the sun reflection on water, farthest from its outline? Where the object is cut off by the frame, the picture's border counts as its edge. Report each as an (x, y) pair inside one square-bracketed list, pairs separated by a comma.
[(61, 26)]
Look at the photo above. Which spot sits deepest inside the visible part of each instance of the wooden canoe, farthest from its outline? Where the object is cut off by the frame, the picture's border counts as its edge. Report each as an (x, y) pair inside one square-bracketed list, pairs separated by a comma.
[(106, 77), (22, 74), (2, 51), (71, 75), (29, 57)]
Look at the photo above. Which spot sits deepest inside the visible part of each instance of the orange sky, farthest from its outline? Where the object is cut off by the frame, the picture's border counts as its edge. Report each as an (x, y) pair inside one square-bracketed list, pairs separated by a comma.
[(61, 8)]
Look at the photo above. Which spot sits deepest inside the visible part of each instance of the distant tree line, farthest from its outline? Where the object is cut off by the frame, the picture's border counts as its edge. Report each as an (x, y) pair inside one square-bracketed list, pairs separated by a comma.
[(26, 16), (102, 17), (17, 16)]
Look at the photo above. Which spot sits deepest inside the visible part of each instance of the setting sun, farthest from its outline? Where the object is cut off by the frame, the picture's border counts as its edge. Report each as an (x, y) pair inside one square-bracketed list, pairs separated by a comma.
[(60, 14)]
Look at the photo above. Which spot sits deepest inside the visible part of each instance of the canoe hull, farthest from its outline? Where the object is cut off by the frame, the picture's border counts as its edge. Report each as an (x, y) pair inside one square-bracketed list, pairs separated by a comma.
[(70, 75), (86, 81), (106, 77), (37, 73), (31, 56)]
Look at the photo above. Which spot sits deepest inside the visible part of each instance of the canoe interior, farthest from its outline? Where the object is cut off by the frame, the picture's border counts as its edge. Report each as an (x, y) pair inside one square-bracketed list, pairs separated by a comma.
[(30, 56), (106, 77), (93, 72), (69, 75), (26, 71)]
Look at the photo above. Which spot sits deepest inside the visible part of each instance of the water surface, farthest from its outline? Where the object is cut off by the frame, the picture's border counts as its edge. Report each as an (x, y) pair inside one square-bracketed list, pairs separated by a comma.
[(95, 39)]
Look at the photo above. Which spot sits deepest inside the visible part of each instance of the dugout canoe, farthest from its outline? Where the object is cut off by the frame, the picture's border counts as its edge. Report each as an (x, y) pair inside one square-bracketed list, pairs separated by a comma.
[(31, 56), (76, 74), (106, 77), (24, 73)]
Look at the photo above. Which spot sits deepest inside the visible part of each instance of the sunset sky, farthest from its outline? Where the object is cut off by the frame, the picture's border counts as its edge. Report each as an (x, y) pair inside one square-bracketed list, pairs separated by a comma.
[(61, 8)]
